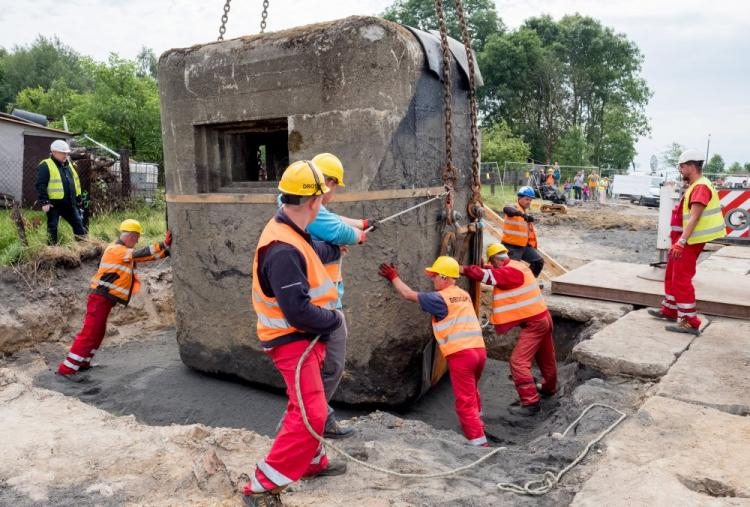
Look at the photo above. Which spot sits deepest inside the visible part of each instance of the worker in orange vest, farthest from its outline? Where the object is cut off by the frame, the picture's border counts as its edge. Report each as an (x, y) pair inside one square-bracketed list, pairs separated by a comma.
[(458, 335), (518, 231), (294, 299), (116, 281), (517, 301)]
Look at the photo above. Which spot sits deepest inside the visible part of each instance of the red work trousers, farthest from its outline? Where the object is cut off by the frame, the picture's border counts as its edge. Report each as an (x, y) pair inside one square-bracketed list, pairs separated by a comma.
[(90, 337), (465, 367), (679, 293), (295, 452), (534, 343)]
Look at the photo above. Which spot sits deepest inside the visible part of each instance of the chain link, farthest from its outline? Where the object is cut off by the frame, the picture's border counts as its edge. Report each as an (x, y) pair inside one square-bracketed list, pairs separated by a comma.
[(224, 19), (264, 16)]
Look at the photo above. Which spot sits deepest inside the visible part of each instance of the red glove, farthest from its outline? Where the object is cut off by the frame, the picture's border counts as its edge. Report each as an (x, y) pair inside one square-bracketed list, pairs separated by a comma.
[(365, 223), (676, 251), (362, 237), (388, 271), (168, 239)]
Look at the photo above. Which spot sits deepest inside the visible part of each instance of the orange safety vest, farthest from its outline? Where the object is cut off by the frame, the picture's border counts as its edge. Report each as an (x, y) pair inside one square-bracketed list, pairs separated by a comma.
[(117, 259), (520, 303), (271, 320), (459, 329), (517, 231)]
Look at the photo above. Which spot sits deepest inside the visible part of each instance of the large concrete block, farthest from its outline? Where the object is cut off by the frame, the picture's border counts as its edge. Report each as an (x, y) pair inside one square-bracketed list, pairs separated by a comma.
[(359, 88), (715, 370)]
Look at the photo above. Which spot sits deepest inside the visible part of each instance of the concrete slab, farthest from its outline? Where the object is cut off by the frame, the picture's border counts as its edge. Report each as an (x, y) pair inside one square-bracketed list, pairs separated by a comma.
[(738, 252), (715, 370), (585, 310), (637, 344), (734, 265), (718, 292), (673, 453)]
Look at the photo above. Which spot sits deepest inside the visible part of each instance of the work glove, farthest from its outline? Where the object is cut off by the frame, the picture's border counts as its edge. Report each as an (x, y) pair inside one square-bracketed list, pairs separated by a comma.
[(676, 251), (370, 223), (362, 237), (528, 218), (388, 271), (168, 239)]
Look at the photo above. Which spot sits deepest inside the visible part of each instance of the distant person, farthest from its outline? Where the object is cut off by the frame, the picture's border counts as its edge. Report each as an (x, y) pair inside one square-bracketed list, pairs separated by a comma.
[(568, 189), (459, 337), (603, 186), (59, 191), (556, 173), (578, 185), (550, 181), (593, 186), (519, 235), (517, 302), (115, 282), (696, 220)]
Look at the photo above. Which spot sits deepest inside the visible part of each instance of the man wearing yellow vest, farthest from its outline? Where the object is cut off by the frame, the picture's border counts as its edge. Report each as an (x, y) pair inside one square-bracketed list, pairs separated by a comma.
[(696, 220), (458, 334), (519, 235), (116, 281), (59, 191), (517, 301), (294, 299)]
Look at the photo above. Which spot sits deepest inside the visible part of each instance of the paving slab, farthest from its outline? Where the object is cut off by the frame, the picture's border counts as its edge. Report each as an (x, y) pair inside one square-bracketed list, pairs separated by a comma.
[(673, 453), (733, 265), (739, 252), (637, 344), (585, 310), (715, 370)]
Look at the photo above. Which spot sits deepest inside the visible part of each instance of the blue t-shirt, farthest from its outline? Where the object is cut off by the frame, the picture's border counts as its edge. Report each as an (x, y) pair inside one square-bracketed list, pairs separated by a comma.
[(433, 303)]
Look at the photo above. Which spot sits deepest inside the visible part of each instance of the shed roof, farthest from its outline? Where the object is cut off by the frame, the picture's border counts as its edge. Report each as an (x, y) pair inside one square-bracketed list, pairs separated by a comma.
[(8, 118)]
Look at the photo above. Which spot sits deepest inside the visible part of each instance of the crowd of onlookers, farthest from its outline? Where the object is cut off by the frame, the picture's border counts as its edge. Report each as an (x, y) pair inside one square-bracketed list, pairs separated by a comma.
[(581, 187)]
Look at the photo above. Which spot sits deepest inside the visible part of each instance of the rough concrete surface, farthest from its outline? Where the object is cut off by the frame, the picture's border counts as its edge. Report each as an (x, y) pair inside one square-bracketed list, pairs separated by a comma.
[(738, 252), (715, 370), (389, 135), (734, 265), (636, 344), (673, 453)]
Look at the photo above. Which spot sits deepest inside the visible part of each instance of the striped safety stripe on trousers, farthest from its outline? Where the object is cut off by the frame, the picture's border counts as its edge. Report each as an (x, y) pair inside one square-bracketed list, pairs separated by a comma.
[(271, 474), (478, 441), (686, 310), (669, 302)]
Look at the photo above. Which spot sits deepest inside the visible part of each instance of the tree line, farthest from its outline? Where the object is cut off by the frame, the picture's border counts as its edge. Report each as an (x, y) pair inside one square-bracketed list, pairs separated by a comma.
[(715, 164), (115, 102), (569, 91)]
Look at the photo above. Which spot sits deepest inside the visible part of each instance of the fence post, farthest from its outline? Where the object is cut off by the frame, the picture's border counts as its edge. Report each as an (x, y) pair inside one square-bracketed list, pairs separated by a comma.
[(125, 172), (18, 219)]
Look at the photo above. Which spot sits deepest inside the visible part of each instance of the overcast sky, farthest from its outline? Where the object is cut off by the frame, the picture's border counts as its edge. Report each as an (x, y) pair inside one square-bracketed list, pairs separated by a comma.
[(696, 51)]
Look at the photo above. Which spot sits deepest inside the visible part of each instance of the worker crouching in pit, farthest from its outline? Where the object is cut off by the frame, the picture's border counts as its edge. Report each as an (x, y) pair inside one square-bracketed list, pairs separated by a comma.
[(519, 235), (295, 300), (116, 281), (459, 336), (517, 301)]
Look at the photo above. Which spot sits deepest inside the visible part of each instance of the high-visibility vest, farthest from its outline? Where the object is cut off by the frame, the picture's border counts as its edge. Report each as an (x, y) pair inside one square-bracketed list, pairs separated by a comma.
[(518, 304), (117, 259), (710, 226), (459, 329), (55, 189), (271, 320), (517, 231)]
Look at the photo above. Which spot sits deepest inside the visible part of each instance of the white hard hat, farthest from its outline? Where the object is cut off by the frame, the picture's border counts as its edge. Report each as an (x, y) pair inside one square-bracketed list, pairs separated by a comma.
[(691, 156), (60, 145)]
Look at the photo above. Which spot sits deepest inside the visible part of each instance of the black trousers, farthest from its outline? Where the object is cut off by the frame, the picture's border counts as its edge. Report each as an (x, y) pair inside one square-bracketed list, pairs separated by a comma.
[(70, 214), (528, 254)]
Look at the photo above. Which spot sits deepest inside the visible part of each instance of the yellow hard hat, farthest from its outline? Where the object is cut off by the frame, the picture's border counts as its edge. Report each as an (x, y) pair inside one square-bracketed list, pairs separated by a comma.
[(446, 266), (494, 249), (131, 225), (331, 166), (302, 178)]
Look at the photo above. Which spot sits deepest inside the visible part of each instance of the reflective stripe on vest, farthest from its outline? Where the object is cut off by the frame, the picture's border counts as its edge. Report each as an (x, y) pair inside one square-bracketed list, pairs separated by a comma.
[(519, 303), (55, 188), (271, 320), (710, 225), (117, 259), (516, 231), (459, 329)]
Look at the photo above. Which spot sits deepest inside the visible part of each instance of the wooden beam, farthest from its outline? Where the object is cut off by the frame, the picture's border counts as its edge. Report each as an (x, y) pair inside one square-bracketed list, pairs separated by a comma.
[(374, 195)]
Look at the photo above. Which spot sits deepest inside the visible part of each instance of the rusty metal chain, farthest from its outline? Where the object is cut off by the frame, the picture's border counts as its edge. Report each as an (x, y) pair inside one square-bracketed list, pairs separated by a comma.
[(449, 171), (224, 19), (264, 16), (475, 203)]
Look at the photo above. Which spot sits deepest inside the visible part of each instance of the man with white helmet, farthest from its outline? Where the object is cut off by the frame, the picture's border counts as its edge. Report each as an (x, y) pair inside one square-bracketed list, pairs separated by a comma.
[(59, 191), (518, 231), (696, 220), (115, 281)]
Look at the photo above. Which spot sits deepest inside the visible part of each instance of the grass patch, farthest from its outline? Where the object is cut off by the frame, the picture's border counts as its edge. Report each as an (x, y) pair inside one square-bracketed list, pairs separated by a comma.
[(103, 227), (504, 195)]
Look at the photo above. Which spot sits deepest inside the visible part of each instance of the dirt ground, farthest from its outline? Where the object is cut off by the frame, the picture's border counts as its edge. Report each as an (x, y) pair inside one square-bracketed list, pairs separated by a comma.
[(149, 431)]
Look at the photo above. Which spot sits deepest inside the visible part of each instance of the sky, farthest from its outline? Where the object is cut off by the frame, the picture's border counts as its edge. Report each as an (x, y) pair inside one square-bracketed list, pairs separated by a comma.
[(696, 52)]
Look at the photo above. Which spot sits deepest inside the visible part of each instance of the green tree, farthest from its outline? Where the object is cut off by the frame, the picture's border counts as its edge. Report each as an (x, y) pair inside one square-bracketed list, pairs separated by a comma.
[(146, 62), (500, 145), (481, 18), (572, 148), (747, 166), (736, 167), (671, 154), (59, 100), (715, 165)]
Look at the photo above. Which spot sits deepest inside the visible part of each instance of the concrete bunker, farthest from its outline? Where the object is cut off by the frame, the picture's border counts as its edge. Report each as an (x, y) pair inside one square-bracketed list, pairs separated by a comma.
[(234, 113)]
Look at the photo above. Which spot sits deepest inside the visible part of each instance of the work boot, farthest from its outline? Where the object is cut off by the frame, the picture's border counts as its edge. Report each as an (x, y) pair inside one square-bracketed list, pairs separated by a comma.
[(544, 394), (654, 312), (77, 378), (683, 326), (265, 499), (525, 410), (335, 431), (332, 471)]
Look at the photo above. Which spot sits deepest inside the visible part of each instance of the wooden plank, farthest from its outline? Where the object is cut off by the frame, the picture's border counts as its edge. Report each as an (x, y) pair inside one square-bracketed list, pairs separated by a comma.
[(246, 198), (718, 292)]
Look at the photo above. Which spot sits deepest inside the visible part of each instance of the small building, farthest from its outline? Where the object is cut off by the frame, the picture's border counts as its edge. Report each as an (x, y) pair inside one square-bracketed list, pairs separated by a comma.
[(23, 144)]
